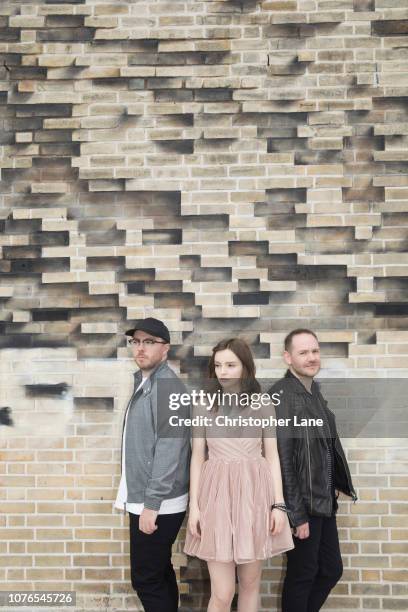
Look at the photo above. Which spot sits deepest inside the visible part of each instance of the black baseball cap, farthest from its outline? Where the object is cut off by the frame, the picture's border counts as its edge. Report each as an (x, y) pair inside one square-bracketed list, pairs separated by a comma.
[(151, 326)]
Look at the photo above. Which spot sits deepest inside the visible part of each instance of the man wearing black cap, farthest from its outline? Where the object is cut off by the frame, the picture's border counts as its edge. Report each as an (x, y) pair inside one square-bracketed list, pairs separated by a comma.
[(155, 471)]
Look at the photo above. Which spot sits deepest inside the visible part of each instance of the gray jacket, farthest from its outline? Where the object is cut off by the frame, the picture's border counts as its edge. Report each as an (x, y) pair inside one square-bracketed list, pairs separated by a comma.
[(157, 467)]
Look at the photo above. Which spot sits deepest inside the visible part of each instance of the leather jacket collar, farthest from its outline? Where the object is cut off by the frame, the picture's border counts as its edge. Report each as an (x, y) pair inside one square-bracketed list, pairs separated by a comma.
[(298, 387)]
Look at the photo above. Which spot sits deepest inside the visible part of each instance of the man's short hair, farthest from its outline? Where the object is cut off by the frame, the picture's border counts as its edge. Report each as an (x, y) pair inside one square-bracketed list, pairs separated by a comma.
[(297, 332)]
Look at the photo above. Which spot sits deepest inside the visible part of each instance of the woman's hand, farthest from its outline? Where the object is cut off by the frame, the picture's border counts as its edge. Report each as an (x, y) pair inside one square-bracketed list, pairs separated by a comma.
[(194, 522), (277, 521)]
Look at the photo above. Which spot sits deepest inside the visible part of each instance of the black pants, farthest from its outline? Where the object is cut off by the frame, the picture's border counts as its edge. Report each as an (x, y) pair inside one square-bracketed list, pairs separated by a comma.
[(314, 567), (152, 573)]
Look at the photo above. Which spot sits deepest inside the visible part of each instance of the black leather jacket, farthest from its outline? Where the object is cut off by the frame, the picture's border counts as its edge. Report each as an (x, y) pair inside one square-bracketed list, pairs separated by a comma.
[(303, 452)]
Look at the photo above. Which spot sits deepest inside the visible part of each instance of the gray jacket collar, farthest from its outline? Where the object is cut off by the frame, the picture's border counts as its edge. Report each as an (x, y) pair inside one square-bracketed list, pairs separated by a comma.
[(138, 375)]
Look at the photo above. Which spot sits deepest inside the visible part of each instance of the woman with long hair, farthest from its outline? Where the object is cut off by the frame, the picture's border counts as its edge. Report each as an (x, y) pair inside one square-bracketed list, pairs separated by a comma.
[(237, 515)]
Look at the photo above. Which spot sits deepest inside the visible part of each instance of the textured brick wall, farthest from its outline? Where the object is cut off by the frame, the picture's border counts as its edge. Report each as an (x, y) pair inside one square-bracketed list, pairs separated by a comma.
[(232, 167)]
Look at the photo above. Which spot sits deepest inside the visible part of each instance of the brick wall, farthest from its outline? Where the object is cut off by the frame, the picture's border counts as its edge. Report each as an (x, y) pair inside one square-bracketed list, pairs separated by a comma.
[(232, 167)]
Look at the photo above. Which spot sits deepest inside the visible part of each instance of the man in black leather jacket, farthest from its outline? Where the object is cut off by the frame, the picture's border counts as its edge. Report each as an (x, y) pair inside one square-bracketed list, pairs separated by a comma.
[(313, 467)]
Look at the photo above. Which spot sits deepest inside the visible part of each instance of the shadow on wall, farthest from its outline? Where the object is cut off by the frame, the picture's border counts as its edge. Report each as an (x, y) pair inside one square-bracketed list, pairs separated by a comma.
[(33, 386), (5, 416)]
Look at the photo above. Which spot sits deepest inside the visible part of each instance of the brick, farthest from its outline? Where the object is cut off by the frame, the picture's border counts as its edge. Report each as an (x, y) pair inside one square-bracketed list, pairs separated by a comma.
[(24, 137), (22, 21), (15, 560), (61, 124), (279, 5), (52, 561), (105, 21), (395, 575)]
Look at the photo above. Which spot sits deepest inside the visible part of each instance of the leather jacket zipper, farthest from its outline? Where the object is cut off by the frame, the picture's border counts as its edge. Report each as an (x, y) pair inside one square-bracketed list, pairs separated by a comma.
[(310, 470), (332, 461), (351, 489)]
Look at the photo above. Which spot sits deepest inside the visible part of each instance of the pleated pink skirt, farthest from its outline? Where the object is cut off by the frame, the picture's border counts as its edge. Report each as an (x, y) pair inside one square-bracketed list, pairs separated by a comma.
[(235, 497)]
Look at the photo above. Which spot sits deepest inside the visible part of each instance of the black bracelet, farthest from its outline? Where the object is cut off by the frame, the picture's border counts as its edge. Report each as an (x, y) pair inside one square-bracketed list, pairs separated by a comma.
[(280, 507)]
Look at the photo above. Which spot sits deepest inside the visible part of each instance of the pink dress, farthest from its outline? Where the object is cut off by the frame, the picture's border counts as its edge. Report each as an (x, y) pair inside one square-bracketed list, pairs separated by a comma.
[(235, 496)]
